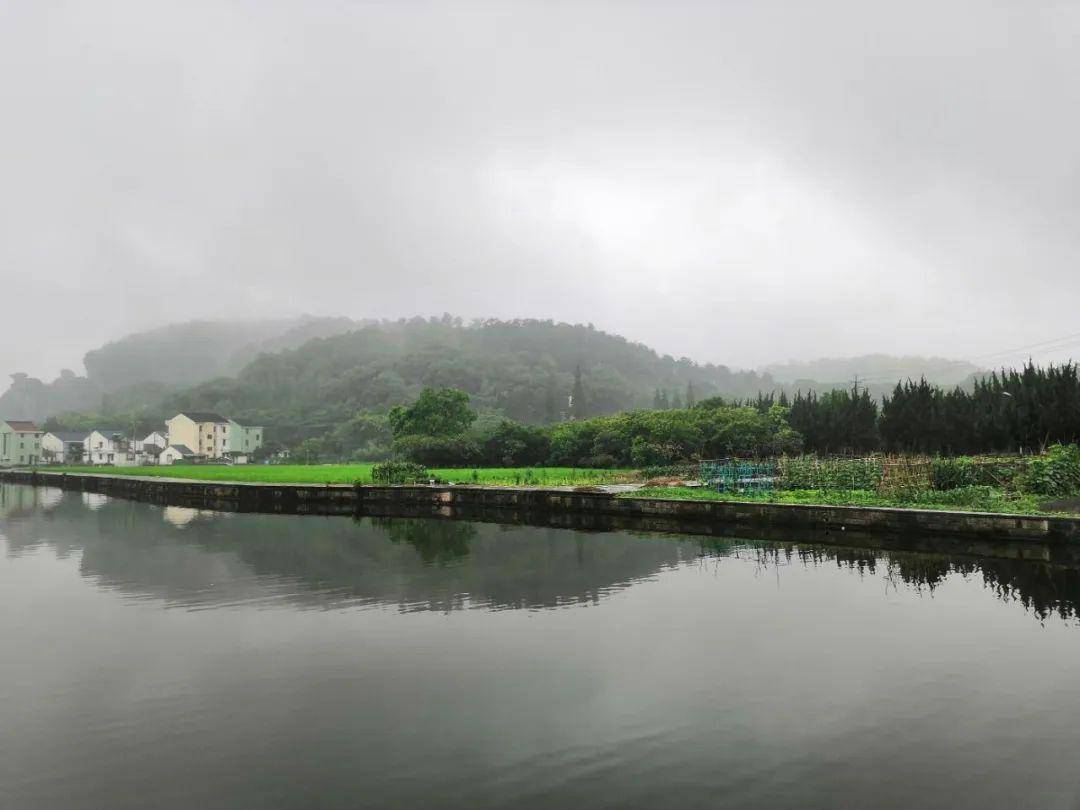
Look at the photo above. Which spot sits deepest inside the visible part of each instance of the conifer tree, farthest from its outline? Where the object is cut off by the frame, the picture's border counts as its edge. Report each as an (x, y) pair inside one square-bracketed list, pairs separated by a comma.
[(579, 408)]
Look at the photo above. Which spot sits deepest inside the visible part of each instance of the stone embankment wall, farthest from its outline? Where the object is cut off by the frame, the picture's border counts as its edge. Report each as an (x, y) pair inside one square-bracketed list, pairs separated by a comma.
[(583, 509)]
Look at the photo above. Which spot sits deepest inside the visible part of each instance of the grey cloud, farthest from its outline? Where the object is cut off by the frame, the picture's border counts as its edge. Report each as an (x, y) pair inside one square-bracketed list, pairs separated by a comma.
[(736, 182)]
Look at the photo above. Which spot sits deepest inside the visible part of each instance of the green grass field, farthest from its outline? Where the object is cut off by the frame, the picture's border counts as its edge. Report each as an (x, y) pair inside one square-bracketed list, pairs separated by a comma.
[(352, 473)]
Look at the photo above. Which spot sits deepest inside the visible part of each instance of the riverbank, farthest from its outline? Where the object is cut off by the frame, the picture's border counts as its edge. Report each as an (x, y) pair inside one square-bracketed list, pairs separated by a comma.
[(959, 499), (966, 499), (592, 508), (362, 474)]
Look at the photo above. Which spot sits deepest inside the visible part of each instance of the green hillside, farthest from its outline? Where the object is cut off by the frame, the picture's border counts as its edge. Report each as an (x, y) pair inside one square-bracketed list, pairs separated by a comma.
[(524, 369)]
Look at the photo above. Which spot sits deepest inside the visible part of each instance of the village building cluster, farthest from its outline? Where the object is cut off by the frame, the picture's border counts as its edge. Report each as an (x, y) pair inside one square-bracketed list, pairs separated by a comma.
[(189, 437)]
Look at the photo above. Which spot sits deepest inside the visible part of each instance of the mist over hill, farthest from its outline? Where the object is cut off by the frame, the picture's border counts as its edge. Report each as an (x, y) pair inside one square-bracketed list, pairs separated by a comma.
[(145, 366), (524, 369), (305, 372), (873, 368), (188, 353)]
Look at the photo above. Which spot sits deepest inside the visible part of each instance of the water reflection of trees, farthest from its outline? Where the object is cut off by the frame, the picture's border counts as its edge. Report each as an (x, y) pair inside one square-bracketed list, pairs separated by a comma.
[(196, 557), (1042, 587), (200, 558), (437, 542)]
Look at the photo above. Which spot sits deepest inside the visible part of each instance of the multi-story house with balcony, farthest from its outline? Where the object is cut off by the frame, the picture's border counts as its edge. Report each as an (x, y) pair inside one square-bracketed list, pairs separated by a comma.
[(204, 433), (212, 437)]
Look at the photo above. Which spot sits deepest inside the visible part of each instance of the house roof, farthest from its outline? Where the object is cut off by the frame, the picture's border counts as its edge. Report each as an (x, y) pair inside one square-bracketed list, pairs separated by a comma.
[(21, 425), (109, 432), (69, 435), (182, 449), (202, 416)]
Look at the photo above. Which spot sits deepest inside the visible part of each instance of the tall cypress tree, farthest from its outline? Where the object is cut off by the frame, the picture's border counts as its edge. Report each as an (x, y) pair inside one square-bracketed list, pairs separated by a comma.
[(579, 407)]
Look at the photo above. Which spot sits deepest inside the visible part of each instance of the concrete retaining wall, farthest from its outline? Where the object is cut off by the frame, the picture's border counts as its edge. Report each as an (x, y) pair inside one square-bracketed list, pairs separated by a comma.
[(703, 517)]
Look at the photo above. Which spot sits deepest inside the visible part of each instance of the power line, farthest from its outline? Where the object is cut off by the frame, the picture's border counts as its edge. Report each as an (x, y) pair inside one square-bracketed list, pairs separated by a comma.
[(1071, 338), (1054, 344)]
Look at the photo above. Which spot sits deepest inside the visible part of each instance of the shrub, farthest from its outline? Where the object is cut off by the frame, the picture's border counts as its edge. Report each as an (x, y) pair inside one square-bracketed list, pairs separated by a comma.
[(1057, 473), (400, 472), (964, 471), (644, 453), (438, 451), (659, 438), (686, 471), (510, 444)]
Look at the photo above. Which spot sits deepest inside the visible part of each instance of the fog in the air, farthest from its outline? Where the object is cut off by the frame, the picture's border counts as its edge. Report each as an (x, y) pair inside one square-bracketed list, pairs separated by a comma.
[(736, 182)]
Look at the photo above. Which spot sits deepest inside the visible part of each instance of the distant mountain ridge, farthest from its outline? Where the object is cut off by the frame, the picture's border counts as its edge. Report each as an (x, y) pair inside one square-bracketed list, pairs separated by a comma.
[(326, 369), (878, 373)]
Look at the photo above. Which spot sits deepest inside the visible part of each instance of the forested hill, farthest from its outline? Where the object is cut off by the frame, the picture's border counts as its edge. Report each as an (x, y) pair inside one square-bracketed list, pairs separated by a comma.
[(188, 353), (312, 373), (524, 369), (146, 365)]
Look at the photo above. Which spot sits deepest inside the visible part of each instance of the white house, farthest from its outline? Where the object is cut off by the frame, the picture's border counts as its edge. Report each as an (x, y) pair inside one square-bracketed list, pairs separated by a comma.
[(20, 442), (151, 447), (110, 447), (156, 439), (63, 446), (177, 452)]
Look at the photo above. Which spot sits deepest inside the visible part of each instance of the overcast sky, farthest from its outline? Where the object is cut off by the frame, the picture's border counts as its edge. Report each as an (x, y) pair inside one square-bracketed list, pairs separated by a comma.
[(736, 182)]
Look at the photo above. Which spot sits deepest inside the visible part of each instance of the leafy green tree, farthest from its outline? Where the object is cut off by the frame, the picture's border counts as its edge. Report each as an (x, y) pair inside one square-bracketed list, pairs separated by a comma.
[(364, 436), (512, 444), (310, 451), (443, 412)]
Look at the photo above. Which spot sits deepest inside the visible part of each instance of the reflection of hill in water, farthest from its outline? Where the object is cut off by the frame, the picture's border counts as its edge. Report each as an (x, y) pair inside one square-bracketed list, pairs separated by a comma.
[(210, 558), (198, 558)]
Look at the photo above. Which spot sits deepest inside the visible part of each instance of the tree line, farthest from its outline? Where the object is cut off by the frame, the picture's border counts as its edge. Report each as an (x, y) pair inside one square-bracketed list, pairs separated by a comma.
[(1010, 411), (1013, 411), (441, 429)]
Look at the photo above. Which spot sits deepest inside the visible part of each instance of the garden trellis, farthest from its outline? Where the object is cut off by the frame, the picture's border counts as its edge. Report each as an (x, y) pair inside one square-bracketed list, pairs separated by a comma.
[(737, 475)]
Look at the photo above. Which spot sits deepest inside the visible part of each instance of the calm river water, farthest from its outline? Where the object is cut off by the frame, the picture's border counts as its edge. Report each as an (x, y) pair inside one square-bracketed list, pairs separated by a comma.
[(158, 657)]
